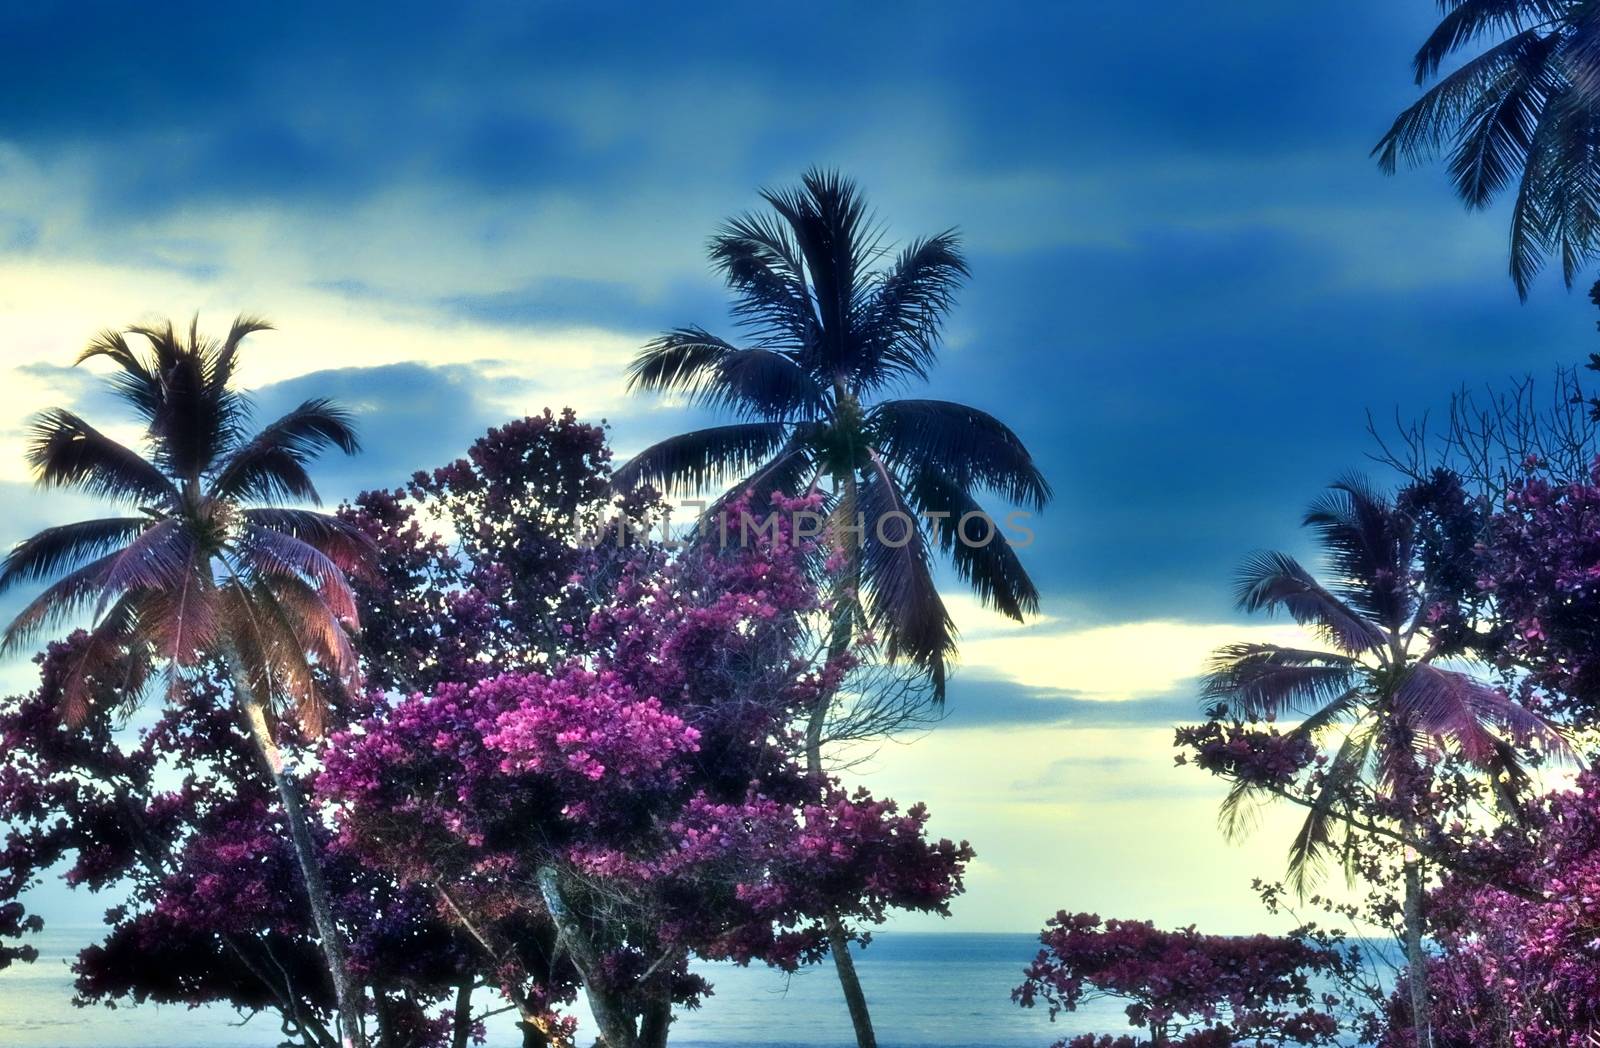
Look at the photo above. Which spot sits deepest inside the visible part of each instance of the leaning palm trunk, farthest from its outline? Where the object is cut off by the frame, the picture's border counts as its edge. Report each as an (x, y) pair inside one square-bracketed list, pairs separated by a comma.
[(1416, 960), (294, 813)]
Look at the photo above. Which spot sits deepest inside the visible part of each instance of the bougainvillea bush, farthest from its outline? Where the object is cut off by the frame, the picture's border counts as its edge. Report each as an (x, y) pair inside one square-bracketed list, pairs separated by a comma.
[(645, 794), (1517, 959), (176, 823), (1183, 987)]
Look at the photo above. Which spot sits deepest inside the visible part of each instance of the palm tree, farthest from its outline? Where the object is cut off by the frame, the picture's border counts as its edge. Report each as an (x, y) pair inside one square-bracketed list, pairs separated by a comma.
[(208, 567), (1523, 110), (834, 322), (829, 335), (1376, 696)]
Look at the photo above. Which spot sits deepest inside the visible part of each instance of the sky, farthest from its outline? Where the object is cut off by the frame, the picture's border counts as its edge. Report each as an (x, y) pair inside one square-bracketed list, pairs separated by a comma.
[(1190, 283)]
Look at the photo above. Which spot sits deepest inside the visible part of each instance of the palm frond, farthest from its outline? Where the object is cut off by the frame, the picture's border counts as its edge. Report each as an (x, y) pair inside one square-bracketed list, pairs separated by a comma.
[(65, 451), (1314, 843), (263, 551), (272, 465), (839, 242), (1257, 681), (69, 597), (115, 636), (899, 597), (199, 415), (225, 360), (1570, 191), (180, 619), (898, 324), (1428, 124), (137, 381), (710, 372), (983, 558), (346, 545), (1497, 131), (1509, 781), (66, 547), (306, 625), (155, 560), (277, 628), (1269, 581), (971, 446), (1351, 704), (785, 472), (1240, 811), (1369, 546), (1470, 20), (682, 360), (1452, 707), (315, 625), (693, 461), (1531, 225), (762, 264)]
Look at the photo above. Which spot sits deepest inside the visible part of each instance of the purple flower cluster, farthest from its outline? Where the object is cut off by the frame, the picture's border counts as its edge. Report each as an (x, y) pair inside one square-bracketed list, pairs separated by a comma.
[(1184, 987)]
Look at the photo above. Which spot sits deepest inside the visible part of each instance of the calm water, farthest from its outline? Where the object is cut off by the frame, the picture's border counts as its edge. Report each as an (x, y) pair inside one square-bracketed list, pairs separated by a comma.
[(949, 991)]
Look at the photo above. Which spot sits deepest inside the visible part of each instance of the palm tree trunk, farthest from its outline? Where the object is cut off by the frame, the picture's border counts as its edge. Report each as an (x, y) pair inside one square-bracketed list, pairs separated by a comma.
[(1416, 959), (305, 853), (855, 998)]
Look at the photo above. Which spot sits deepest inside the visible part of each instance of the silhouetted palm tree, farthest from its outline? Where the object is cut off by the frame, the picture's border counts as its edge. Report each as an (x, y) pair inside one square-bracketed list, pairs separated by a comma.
[(830, 334), (1524, 111), (835, 322), (1376, 697), (206, 566)]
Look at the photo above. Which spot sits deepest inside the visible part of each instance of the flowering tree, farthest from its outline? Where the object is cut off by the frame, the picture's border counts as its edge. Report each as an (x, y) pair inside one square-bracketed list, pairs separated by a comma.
[(1540, 565), (532, 526), (178, 821), (644, 796), (1182, 987), (1522, 968)]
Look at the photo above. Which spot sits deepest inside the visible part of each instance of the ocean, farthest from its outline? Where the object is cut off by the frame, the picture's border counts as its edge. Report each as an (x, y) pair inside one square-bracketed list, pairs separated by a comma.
[(945, 991)]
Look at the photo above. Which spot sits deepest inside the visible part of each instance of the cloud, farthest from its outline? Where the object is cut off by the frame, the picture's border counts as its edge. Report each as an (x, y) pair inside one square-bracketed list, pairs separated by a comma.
[(1112, 662)]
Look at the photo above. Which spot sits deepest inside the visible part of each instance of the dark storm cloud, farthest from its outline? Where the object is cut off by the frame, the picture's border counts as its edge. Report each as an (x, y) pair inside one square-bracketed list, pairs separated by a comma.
[(979, 701), (409, 417), (1189, 280)]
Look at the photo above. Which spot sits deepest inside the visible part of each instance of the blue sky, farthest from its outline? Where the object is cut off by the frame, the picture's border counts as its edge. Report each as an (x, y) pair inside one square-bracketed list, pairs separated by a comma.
[(1189, 284)]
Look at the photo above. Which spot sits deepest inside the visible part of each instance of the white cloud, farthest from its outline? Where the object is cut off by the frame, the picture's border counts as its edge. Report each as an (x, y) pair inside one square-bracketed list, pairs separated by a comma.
[(50, 310), (1111, 836), (1129, 660)]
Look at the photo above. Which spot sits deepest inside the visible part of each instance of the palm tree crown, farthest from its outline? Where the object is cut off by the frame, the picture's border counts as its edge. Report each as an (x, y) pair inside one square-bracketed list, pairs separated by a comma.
[(1522, 111), (835, 320), (1376, 692), (208, 557)]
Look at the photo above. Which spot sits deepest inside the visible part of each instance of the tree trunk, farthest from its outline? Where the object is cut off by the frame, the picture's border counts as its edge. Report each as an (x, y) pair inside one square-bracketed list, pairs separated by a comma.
[(655, 1022), (305, 852), (530, 1022), (616, 1022), (855, 998), (461, 1021), (1416, 959)]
